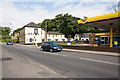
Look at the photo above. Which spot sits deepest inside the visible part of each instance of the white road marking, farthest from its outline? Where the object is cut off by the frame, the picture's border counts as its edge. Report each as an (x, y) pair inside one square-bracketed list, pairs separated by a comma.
[(99, 61), (85, 59), (63, 55), (46, 52), (45, 67), (52, 71), (55, 53)]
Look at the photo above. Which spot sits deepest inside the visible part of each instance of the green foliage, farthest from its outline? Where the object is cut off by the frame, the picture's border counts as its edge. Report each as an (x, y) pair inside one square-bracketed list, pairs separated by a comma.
[(67, 24), (15, 31), (5, 30), (17, 40), (4, 34), (40, 24)]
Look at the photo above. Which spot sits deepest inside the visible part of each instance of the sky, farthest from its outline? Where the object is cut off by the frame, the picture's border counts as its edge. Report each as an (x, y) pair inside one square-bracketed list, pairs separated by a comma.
[(15, 14)]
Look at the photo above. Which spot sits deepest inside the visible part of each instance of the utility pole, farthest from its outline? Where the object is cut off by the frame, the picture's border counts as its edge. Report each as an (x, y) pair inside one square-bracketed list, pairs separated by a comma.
[(11, 32), (46, 31)]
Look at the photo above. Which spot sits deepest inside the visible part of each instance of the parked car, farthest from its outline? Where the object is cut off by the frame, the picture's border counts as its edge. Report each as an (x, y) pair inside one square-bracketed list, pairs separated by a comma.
[(9, 43), (50, 46)]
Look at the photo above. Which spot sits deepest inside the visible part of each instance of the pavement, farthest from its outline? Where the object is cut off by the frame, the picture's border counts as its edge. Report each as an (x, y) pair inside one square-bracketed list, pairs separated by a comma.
[(95, 52), (85, 51)]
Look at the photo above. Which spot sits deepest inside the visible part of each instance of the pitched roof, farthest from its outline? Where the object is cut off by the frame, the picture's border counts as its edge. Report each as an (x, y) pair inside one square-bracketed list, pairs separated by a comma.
[(32, 24), (51, 32), (84, 34)]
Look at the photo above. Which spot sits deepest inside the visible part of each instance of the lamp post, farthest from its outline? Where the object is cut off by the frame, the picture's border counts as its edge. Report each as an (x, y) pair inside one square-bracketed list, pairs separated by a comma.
[(11, 32), (46, 31)]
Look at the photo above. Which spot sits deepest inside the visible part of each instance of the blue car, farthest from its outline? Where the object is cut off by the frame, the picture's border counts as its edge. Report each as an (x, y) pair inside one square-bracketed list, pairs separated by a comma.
[(9, 43), (50, 46)]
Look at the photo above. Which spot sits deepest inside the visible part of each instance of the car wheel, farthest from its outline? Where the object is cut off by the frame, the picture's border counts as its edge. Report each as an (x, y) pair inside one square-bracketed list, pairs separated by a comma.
[(51, 50), (60, 51), (41, 49)]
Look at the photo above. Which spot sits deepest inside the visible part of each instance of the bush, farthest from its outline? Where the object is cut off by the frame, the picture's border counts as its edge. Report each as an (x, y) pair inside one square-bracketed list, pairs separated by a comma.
[(16, 40), (5, 40), (8, 40)]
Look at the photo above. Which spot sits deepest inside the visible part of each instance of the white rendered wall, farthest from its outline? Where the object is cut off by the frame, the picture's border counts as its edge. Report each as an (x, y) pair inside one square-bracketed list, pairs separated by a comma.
[(29, 33), (54, 37)]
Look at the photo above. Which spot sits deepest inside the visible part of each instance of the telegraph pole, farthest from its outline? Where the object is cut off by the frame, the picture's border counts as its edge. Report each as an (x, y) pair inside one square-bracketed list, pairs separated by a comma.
[(11, 32), (46, 31)]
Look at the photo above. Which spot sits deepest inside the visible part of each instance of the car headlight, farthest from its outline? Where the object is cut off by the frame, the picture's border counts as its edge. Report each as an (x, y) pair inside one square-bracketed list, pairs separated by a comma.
[(55, 47)]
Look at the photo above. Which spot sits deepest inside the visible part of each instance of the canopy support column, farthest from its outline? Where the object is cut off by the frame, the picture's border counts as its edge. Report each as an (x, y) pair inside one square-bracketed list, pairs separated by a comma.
[(111, 39)]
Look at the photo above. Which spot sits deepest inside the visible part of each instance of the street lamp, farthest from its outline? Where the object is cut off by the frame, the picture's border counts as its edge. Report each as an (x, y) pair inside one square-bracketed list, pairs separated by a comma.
[(46, 31), (11, 32)]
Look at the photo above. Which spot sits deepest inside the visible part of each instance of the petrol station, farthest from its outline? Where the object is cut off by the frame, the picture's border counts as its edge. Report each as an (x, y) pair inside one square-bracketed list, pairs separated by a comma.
[(109, 22)]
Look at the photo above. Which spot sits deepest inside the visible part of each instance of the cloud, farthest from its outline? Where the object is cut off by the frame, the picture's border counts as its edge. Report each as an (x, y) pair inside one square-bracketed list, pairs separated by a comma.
[(22, 14), (18, 18), (86, 9), (59, 0), (60, 3)]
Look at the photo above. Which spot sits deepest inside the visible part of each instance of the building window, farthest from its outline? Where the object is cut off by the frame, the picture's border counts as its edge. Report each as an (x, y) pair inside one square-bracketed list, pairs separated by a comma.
[(63, 39), (56, 35), (31, 40), (80, 39), (28, 33), (49, 40), (56, 39), (42, 39), (35, 31), (76, 40), (49, 35), (92, 40), (61, 35)]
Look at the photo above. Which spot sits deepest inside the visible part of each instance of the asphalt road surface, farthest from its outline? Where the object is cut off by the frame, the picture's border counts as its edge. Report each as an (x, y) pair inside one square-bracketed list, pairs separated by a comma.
[(70, 64)]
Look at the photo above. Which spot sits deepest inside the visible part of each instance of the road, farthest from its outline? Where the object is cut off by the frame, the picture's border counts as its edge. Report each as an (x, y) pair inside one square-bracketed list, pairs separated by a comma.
[(70, 64)]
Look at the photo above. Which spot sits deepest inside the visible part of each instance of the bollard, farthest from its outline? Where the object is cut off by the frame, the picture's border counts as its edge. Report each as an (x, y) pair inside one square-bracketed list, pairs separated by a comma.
[(115, 44), (95, 44)]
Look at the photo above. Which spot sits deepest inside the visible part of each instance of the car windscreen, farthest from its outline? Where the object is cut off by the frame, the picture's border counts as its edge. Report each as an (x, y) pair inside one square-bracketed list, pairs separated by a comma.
[(54, 44), (9, 41)]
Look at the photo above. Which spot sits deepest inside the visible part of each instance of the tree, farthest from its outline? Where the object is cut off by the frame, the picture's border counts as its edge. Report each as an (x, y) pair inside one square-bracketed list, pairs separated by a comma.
[(4, 33), (66, 24), (16, 40), (40, 24), (115, 7), (6, 30), (16, 31)]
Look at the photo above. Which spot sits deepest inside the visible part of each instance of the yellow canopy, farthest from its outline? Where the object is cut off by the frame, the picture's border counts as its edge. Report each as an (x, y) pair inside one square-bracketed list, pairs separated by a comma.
[(100, 34), (102, 21)]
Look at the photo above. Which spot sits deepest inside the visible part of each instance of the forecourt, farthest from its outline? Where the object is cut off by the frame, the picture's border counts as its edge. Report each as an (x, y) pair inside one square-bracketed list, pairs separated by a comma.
[(109, 22)]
